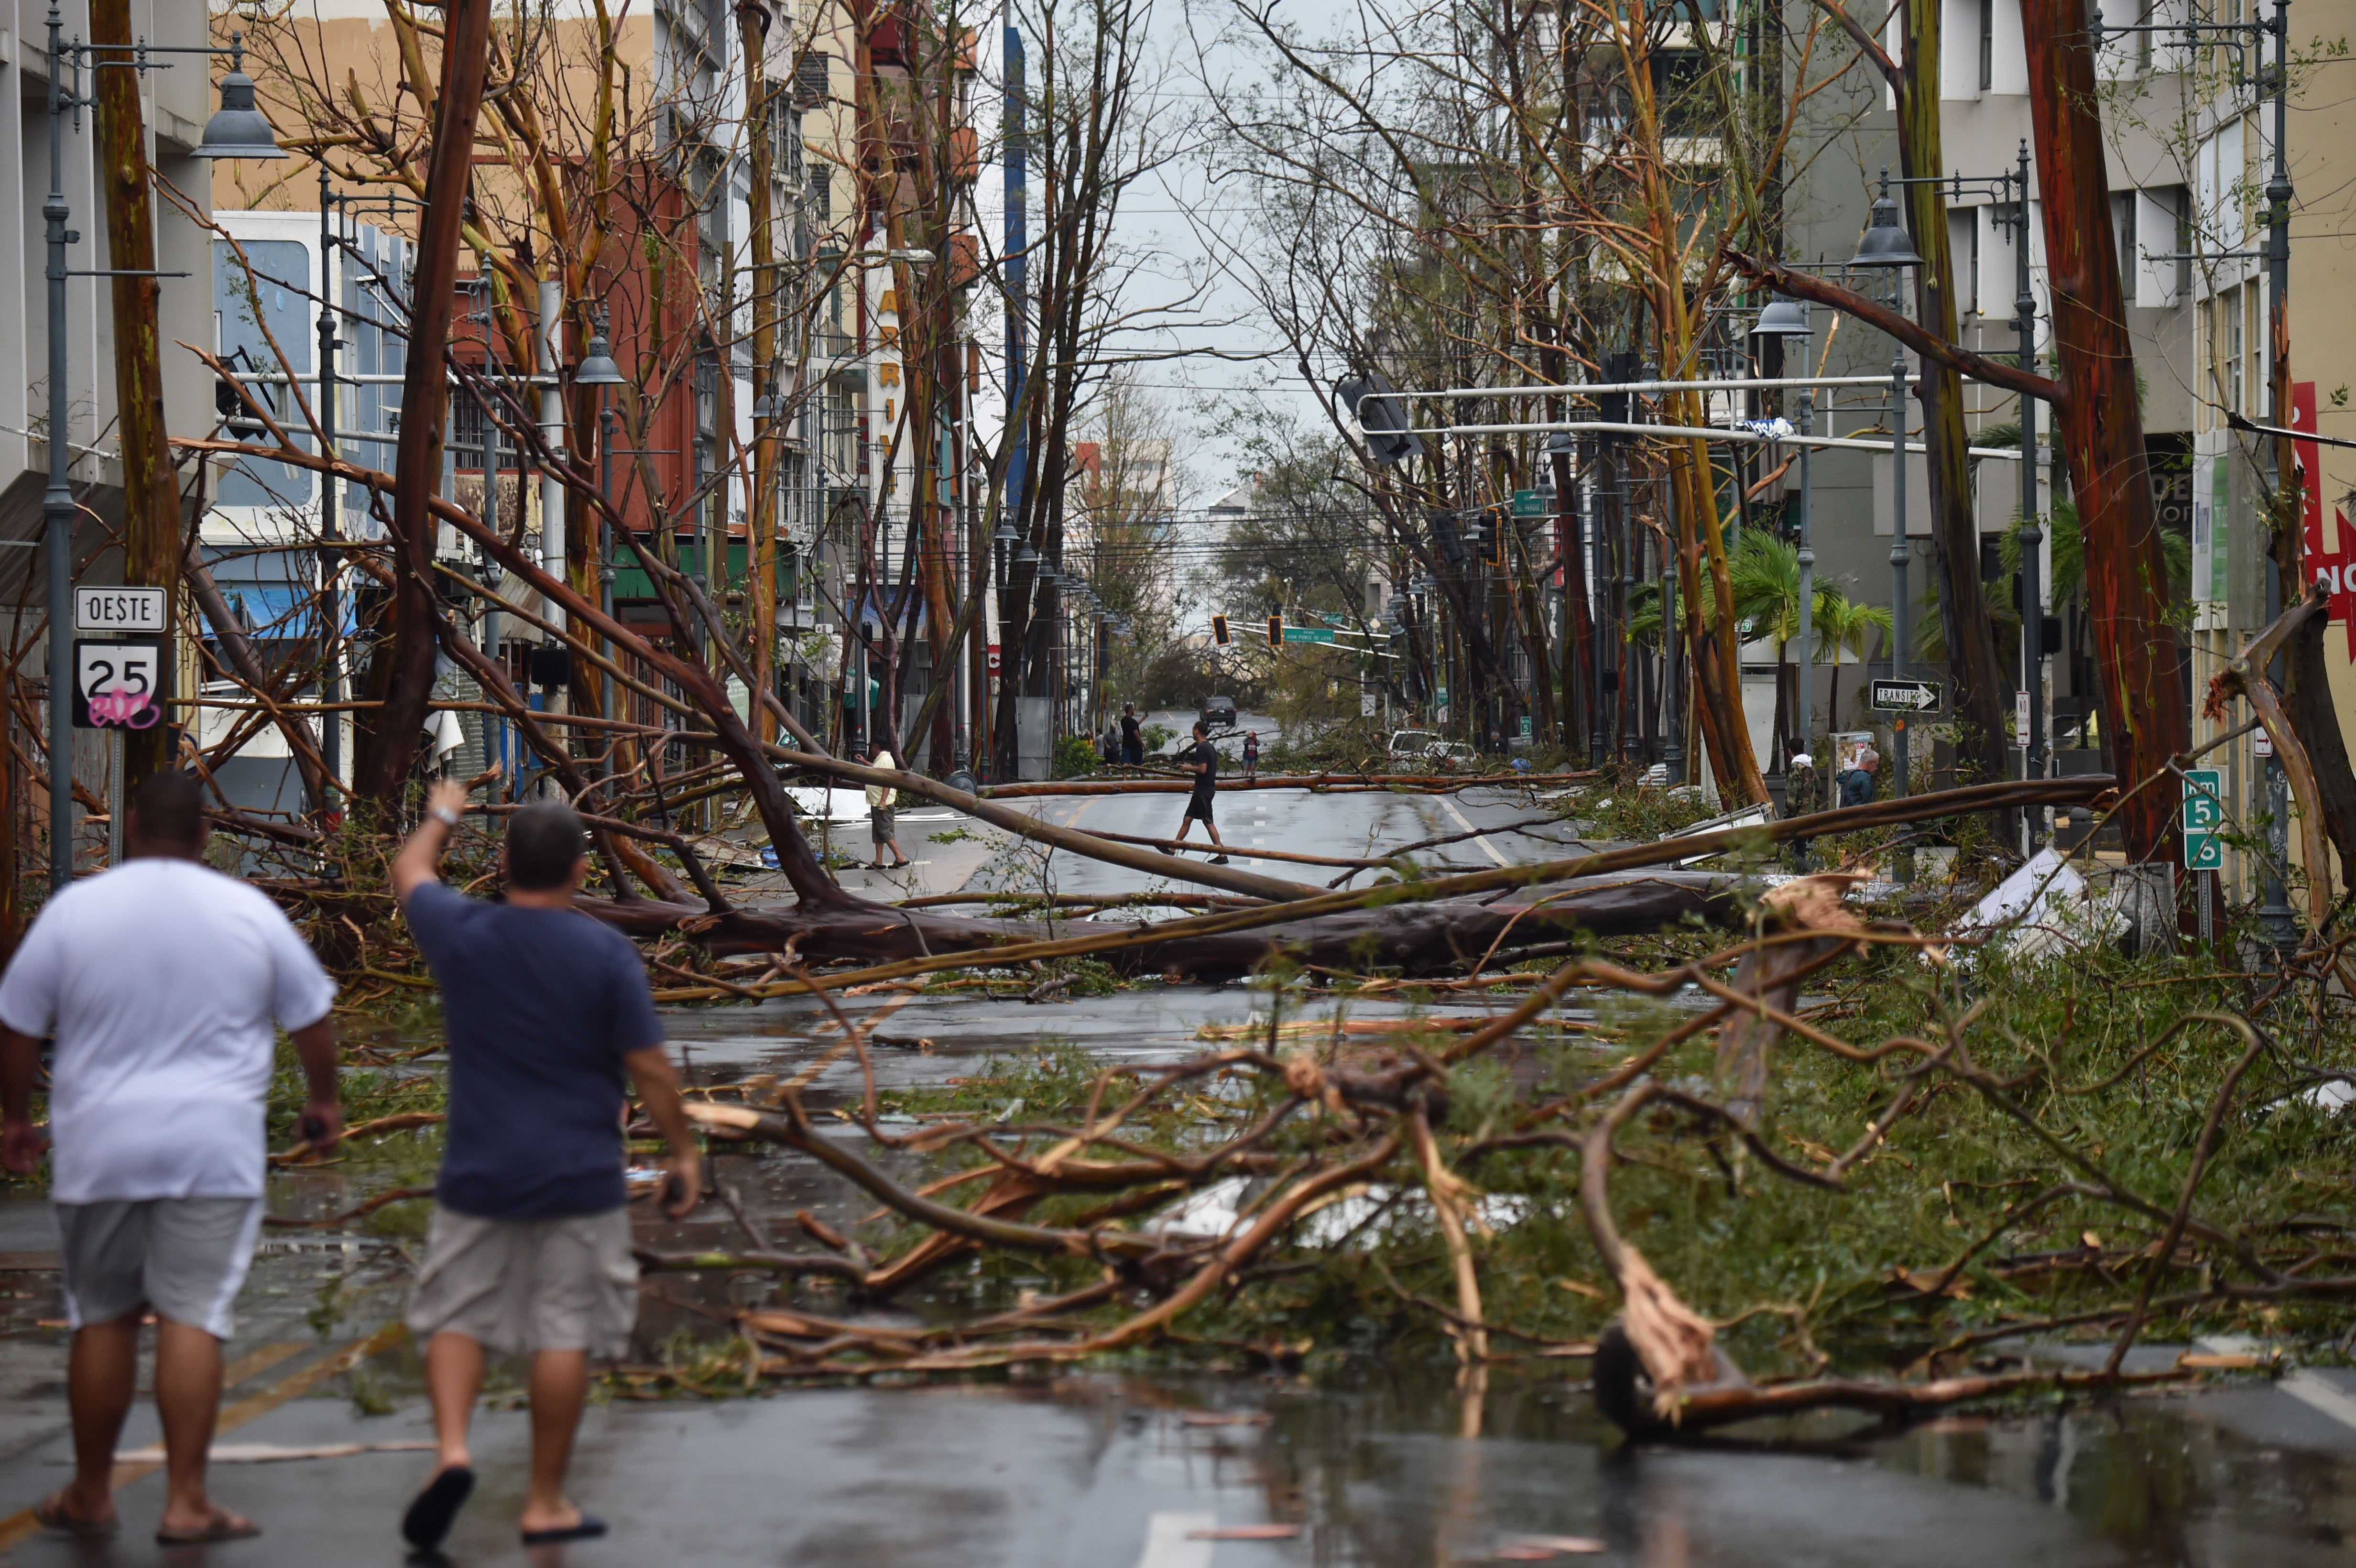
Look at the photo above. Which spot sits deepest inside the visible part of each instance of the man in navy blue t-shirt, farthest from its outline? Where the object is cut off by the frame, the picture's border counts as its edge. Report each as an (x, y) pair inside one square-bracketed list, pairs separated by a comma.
[(550, 1020)]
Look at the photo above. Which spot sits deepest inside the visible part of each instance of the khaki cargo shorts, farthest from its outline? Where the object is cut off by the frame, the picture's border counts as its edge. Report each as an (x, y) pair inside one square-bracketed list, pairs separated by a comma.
[(518, 1286)]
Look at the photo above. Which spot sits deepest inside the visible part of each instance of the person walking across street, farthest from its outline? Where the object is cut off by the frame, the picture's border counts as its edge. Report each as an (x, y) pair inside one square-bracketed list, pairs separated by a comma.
[(883, 821), (1202, 761), (162, 979), (528, 1252), (1132, 736), (1251, 755)]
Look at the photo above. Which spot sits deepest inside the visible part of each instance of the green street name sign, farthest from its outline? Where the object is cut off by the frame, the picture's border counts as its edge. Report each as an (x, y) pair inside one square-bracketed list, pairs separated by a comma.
[(1308, 635)]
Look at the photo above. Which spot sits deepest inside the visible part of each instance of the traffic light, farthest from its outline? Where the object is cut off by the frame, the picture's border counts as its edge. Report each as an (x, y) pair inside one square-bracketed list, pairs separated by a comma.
[(1219, 629), (1276, 631), (1446, 538), (1388, 427)]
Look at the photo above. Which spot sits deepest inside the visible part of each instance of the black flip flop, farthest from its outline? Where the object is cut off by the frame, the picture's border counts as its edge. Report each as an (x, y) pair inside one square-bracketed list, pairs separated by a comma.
[(430, 1515), (590, 1529)]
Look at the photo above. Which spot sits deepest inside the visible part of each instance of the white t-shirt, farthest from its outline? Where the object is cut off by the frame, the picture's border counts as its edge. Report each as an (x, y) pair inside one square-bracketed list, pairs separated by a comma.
[(163, 978)]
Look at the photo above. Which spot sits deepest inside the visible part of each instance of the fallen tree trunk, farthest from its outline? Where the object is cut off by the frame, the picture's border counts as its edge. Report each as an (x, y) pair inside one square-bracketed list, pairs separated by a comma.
[(1328, 784), (1418, 926), (1412, 938), (1622, 1393)]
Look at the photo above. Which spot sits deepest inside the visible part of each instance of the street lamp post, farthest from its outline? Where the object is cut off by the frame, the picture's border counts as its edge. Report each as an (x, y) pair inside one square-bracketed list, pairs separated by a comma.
[(2032, 534), (1899, 554), (1885, 244), (597, 370), (237, 130), (1788, 320), (330, 722)]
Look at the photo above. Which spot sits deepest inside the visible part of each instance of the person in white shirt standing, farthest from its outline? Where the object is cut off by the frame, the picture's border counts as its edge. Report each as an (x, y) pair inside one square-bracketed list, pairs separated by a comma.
[(162, 979)]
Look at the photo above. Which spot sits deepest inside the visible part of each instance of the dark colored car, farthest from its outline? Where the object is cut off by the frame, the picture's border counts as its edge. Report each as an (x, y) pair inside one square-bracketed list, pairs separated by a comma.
[(1218, 712)]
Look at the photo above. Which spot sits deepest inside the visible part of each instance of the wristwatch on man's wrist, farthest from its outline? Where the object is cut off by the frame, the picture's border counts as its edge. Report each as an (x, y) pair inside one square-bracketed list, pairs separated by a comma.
[(444, 815)]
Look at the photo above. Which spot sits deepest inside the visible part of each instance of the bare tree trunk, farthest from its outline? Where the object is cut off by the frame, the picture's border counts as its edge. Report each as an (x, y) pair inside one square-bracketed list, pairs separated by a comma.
[(1971, 660), (761, 522), (2102, 428), (151, 490), (402, 673)]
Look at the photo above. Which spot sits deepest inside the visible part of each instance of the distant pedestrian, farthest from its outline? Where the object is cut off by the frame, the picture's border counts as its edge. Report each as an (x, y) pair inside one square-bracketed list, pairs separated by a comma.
[(1201, 760), (162, 978), (1109, 741), (1132, 736), (883, 824), (1803, 787), (1804, 795), (549, 1020), (1857, 783), (1251, 755)]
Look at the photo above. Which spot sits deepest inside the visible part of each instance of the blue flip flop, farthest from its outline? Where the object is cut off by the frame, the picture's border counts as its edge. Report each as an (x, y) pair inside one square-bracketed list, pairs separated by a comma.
[(430, 1515), (590, 1529)]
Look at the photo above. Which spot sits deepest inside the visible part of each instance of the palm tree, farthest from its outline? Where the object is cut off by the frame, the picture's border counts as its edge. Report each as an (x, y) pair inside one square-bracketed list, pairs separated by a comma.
[(1841, 623), (1766, 574)]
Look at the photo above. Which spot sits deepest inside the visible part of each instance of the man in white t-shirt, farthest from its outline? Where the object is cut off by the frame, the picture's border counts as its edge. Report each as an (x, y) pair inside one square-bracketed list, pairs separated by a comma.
[(161, 979)]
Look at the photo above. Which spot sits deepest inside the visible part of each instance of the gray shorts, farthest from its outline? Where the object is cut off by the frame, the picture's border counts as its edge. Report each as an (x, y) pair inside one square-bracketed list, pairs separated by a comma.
[(523, 1286), (182, 1258), (881, 823)]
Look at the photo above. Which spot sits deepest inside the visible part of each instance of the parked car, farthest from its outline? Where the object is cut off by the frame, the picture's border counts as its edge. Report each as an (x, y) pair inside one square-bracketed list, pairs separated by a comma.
[(1218, 712), (1412, 743), (1451, 754)]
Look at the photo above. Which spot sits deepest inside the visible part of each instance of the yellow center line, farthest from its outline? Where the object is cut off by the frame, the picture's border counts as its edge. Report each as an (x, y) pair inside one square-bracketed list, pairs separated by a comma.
[(866, 1020), (21, 1526), (254, 1363)]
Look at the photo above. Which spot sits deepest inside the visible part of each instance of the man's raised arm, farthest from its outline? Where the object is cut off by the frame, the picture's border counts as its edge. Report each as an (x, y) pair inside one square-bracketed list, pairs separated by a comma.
[(420, 858)]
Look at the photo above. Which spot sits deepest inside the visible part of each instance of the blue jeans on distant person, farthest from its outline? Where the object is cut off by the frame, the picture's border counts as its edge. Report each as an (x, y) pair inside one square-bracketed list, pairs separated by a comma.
[(1133, 753)]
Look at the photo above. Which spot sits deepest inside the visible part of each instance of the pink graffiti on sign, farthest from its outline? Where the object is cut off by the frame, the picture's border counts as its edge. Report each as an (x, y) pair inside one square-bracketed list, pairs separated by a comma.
[(131, 709)]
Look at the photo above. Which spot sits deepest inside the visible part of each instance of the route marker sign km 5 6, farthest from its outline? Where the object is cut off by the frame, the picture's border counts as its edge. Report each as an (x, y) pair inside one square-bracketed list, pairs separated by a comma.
[(2204, 816)]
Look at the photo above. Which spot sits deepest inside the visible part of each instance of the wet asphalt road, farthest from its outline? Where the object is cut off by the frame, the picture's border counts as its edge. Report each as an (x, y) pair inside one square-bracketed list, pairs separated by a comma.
[(1392, 1468), (1100, 1471)]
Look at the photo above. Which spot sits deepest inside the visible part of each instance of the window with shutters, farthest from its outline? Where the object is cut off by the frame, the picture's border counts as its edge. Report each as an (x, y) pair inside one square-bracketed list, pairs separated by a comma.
[(810, 89)]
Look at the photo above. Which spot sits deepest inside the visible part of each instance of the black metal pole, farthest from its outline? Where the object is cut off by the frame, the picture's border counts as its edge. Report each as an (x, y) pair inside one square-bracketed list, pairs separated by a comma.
[(57, 499), (331, 628), (2033, 535)]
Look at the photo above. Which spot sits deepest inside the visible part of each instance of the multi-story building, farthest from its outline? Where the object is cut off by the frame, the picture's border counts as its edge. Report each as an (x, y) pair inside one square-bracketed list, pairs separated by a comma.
[(665, 257)]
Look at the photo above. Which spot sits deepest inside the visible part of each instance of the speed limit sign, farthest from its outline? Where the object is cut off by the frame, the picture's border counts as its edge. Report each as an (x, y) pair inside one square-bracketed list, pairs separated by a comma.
[(119, 684)]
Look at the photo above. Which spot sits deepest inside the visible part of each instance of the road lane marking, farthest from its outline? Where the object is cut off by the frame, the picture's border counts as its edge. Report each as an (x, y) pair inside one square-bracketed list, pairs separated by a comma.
[(1166, 1545), (1480, 838), (2317, 1394)]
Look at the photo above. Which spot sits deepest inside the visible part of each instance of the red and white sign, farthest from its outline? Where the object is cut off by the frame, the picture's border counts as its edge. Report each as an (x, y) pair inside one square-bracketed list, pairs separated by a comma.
[(2335, 567), (993, 658)]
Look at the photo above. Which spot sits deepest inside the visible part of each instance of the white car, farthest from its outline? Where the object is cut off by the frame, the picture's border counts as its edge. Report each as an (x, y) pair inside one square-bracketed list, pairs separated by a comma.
[(1412, 743), (1451, 754)]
